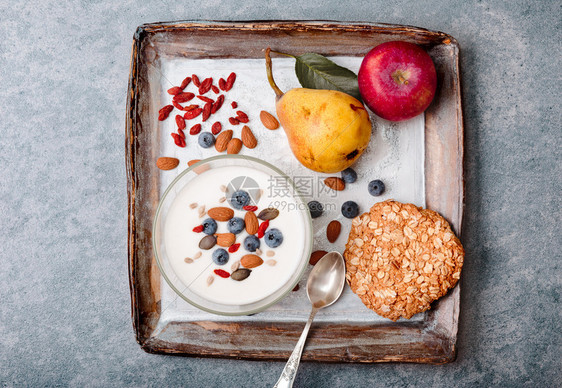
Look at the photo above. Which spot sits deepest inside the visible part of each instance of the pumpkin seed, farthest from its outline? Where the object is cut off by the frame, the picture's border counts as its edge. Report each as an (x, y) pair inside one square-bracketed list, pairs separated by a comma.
[(207, 242), (268, 214), (240, 274)]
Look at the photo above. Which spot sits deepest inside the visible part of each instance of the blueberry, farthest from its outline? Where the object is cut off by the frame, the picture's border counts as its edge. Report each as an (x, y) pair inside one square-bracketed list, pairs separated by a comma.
[(206, 140), (251, 243), (209, 226), (316, 209), (349, 175), (236, 225), (273, 238), (239, 199), (349, 209), (220, 256), (376, 188)]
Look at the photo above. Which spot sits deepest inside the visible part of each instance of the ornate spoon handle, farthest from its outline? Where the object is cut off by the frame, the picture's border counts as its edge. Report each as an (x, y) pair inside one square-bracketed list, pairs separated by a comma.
[(289, 372)]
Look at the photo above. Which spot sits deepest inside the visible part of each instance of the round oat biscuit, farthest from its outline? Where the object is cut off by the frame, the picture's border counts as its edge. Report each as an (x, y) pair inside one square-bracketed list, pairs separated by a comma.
[(400, 258)]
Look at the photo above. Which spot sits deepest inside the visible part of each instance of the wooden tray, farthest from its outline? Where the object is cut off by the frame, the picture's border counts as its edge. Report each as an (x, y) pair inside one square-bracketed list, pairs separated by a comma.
[(432, 340)]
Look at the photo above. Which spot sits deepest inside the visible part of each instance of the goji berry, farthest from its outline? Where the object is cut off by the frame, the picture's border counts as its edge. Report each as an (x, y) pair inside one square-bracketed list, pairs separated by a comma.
[(195, 129), (234, 105), (222, 84), (217, 105), (207, 111), (185, 82), (181, 133), (205, 85), (250, 208), (233, 121), (180, 121), (175, 90), (177, 105), (195, 80), (164, 112), (216, 128), (215, 89), (222, 273), (190, 107), (206, 99), (234, 247), (230, 81), (177, 139), (184, 97), (198, 229), (192, 113), (262, 228), (242, 117)]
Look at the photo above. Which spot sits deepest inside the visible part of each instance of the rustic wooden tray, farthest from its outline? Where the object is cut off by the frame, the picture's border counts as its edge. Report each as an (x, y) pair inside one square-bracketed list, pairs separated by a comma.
[(431, 340)]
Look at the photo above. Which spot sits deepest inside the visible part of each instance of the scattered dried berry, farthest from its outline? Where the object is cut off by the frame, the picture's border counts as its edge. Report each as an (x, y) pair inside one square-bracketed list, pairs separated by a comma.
[(185, 82), (222, 273), (184, 97), (233, 248), (222, 84), (180, 122), (216, 128), (192, 113), (230, 81), (263, 227), (206, 99), (217, 105), (164, 112), (195, 129), (175, 90)]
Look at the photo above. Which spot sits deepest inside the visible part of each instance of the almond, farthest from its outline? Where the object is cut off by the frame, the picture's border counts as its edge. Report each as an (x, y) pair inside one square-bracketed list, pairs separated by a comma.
[(333, 231), (234, 146), (167, 163), (225, 239), (252, 223), (316, 255), (221, 213), (251, 261), (268, 120), (200, 169), (335, 183), (248, 137), (222, 140)]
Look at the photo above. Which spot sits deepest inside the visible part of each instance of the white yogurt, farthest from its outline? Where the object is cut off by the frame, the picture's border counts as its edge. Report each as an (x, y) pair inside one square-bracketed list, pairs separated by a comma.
[(181, 242)]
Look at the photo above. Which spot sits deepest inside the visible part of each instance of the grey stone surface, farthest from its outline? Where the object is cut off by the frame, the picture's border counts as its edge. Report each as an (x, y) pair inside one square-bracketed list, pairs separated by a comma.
[(64, 309)]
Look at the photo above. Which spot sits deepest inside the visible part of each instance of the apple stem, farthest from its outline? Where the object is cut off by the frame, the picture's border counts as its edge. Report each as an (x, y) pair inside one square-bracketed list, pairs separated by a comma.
[(268, 68), (399, 77)]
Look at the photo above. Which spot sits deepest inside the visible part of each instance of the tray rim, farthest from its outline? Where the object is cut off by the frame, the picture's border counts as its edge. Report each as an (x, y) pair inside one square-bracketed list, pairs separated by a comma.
[(152, 345)]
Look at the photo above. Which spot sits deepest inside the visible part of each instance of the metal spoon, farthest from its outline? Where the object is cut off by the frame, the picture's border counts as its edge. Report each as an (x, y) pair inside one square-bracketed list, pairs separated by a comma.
[(324, 287)]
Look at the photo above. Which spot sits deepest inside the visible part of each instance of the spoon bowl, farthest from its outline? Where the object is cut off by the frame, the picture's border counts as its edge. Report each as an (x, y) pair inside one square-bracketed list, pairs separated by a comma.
[(326, 280)]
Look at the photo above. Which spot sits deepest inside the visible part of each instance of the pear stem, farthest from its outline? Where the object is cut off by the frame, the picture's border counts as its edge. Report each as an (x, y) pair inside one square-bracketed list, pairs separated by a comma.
[(285, 54), (268, 68)]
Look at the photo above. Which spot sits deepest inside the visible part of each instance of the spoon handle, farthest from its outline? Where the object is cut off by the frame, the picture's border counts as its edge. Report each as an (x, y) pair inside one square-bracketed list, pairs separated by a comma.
[(289, 372)]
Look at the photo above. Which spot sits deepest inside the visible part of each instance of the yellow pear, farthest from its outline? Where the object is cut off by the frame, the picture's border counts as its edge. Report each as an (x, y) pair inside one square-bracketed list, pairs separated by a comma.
[(327, 129)]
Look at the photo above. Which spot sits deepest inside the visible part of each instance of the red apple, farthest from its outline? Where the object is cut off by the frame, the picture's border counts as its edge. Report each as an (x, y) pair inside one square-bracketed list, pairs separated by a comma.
[(397, 80)]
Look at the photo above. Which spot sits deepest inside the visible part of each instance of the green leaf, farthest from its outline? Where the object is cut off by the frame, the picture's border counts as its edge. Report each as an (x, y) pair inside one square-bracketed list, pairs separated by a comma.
[(315, 71)]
